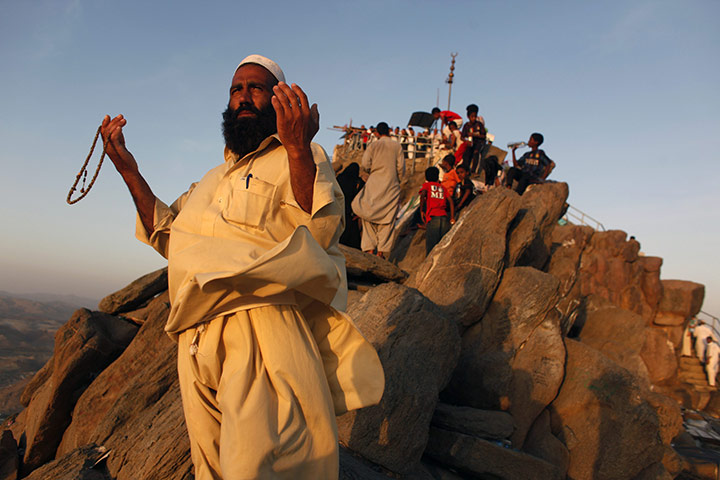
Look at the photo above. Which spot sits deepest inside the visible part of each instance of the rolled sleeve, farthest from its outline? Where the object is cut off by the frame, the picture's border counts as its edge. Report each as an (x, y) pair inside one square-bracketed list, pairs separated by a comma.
[(326, 219), (163, 217)]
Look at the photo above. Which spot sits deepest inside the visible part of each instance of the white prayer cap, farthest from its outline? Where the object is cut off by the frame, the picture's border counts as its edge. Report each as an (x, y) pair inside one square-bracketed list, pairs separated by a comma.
[(271, 66)]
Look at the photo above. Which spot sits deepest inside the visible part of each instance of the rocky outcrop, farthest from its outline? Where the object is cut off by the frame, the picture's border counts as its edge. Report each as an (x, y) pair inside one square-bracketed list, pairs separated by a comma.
[(513, 360), (540, 209), (418, 348), (464, 269), (482, 323), (88, 343)]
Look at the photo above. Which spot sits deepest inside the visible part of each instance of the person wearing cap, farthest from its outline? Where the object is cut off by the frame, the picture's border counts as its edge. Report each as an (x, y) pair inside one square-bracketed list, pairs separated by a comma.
[(266, 356)]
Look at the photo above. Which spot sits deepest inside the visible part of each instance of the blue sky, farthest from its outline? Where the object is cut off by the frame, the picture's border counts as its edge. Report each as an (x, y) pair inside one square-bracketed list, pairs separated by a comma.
[(625, 93)]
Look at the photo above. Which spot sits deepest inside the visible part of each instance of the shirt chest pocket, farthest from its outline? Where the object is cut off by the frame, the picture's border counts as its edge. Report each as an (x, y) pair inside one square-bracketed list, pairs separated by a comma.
[(249, 202)]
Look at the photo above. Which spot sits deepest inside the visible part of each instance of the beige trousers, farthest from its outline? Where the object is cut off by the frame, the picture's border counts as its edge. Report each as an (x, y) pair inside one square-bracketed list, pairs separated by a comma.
[(256, 400), (375, 235)]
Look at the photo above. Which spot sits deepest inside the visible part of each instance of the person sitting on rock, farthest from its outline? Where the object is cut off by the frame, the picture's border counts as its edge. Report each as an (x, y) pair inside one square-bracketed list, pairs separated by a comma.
[(702, 332), (533, 167), (464, 190), (712, 355), (435, 201)]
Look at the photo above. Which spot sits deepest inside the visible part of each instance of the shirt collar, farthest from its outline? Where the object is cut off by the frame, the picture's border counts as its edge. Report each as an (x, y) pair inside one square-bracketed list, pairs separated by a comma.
[(233, 158)]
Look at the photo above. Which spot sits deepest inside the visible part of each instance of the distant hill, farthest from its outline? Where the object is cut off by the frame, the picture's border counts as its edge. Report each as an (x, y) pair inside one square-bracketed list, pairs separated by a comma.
[(27, 329)]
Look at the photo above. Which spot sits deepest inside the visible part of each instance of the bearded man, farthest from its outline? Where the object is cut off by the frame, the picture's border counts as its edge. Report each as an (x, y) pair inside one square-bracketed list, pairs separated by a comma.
[(257, 284)]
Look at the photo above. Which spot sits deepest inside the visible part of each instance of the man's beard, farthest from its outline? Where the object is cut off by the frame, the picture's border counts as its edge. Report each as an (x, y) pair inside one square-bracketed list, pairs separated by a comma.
[(244, 134)]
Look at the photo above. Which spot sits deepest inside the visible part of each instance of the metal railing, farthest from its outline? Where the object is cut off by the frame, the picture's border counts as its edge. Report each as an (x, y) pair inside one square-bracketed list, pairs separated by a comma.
[(711, 320), (583, 218), (416, 149)]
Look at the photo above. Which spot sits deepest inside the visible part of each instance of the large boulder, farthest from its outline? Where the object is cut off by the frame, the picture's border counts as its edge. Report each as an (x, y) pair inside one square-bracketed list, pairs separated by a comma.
[(541, 443), (371, 267), (513, 359), (600, 414), (567, 244), (618, 333), (530, 239), (418, 348), (84, 346), (463, 270), (682, 298), (133, 407)]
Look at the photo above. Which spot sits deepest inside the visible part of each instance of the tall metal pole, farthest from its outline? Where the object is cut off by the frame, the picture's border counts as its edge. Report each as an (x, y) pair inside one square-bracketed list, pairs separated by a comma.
[(451, 76)]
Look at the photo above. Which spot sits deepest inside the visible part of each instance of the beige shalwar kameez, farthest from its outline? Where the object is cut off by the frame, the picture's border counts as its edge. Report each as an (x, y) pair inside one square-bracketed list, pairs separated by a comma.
[(266, 358), (378, 201)]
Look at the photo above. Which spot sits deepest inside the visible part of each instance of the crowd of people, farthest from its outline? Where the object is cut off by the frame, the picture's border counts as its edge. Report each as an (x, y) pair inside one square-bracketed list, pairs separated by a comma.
[(465, 166)]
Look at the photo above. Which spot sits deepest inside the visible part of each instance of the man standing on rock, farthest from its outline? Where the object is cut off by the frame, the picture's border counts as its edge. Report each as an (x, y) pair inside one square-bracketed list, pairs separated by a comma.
[(377, 203), (266, 358), (702, 332), (713, 358)]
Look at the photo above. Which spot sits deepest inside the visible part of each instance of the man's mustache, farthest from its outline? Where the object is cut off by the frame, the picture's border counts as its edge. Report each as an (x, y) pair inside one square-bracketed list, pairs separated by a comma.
[(246, 107)]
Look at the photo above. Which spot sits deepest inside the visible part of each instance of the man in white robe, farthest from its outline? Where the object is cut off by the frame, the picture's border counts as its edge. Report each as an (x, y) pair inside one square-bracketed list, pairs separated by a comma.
[(702, 332), (378, 202), (713, 357)]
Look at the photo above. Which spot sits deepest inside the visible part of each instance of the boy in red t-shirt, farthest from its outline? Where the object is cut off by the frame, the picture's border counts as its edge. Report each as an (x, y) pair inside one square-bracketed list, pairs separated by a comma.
[(435, 201)]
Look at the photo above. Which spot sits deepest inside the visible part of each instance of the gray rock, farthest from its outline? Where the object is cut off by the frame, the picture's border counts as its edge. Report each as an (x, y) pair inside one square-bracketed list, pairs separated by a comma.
[(354, 467), (418, 348), (409, 251), (658, 353), (463, 270), (513, 359), (78, 465), (9, 459), (529, 240), (439, 471), (682, 297), (601, 417), (491, 424), (83, 348), (482, 458), (134, 408), (135, 294), (363, 265), (567, 244), (541, 443), (618, 333)]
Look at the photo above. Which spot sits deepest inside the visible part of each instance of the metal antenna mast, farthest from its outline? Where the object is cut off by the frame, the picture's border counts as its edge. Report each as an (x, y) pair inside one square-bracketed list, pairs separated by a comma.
[(449, 80)]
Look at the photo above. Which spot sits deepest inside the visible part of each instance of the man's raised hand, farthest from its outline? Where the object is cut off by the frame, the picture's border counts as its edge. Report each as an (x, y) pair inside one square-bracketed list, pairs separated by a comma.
[(114, 142), (297, 122)]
